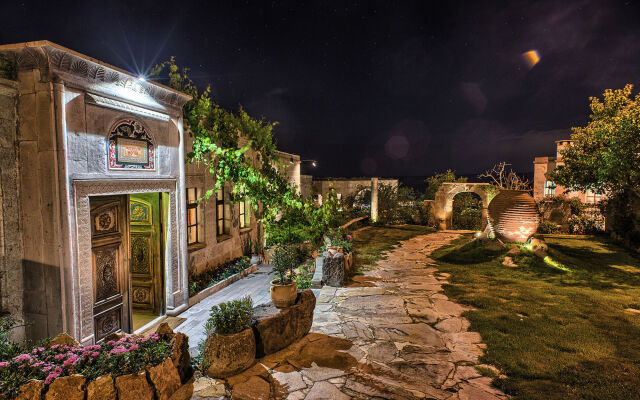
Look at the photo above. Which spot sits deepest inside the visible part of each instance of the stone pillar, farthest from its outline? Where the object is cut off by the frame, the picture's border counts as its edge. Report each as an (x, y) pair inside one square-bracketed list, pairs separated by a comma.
[(374, 199)]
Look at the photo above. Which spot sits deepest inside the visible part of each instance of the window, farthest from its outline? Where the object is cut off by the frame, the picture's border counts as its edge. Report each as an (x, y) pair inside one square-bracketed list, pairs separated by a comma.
[(592, 197), (245, 214), (193, 216), (549, 188), (223, 212)]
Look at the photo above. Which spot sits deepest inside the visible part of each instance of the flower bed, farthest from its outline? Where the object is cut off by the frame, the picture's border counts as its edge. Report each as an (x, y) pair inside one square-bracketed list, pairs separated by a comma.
[(210, 277), (338, 238), (124, 356), (304, 274)]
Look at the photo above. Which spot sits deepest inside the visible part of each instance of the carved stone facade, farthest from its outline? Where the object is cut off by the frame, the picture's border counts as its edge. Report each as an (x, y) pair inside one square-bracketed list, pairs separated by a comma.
[(69, 109)]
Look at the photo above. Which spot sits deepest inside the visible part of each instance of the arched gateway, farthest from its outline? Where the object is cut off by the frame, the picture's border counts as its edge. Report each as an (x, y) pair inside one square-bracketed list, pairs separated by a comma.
[(443, 204)]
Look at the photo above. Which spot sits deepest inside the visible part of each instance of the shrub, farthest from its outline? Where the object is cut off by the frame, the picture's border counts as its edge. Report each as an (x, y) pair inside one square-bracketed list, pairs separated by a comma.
[(338, 238), (230, 317), (305, 274), (548, 227), (124, 356), (583, 224), (284, 260), (8, 348), (212, 276)]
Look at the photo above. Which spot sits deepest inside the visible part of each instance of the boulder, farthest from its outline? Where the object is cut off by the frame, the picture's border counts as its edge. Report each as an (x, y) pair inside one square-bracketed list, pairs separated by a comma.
[(228, 355), (333, 269), (181, 357), (276, 328), (63, 339), (31, 391), (255, 388), (165, 379), (134, 387), (101, 389), (67, 388)]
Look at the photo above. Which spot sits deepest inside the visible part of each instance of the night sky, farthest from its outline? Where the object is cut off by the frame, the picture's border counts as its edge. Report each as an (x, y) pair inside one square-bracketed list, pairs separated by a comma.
[(372, 88)]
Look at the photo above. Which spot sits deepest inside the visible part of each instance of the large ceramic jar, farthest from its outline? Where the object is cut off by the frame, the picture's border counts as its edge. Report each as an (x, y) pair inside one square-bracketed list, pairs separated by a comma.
[(283, 296), (513, 215)]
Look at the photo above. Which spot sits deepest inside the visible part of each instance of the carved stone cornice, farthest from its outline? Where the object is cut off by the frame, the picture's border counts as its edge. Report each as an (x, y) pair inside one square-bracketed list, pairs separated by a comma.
[(56, 61)]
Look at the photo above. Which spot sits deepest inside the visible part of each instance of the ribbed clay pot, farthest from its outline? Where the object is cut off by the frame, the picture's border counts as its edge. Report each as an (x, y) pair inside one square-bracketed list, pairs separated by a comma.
[(513, 215)]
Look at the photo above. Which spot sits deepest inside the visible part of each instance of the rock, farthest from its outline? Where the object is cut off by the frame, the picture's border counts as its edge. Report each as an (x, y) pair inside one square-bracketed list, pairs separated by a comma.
[(333, 269), (164, 330), (508, 261), (291, 381), (101, 389), (63, 339), (255, 388), (276, 329), (115, 336), (165, 379), (325, 391), (382, 352), (67, 388), (181, 357), (31, 391), (134, 387), (316, 373), (228, 355), (216, 390)]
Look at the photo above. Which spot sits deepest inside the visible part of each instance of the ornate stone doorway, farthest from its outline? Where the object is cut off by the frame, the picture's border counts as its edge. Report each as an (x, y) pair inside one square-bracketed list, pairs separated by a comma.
[(443, 204)]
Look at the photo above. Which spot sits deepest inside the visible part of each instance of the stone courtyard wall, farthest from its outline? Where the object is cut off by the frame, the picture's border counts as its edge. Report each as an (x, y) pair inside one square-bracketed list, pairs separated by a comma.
[(347, 186)]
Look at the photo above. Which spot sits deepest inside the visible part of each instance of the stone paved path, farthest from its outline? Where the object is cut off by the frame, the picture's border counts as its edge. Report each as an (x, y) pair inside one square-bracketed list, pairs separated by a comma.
[(410, 341)]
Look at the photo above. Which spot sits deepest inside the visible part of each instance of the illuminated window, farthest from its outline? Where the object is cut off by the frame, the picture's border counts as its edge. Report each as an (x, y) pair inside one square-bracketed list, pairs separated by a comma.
[(245, 214), (549, 188), (193, 216), (592, 197), (222, 212)]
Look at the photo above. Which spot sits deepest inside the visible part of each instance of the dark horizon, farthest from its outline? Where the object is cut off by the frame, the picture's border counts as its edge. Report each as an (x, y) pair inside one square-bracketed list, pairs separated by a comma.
[(373, 88)]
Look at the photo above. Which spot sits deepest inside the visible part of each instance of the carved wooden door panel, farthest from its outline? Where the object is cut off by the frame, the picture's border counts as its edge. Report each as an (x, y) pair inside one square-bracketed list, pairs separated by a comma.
[(146, 283), (109, 230)]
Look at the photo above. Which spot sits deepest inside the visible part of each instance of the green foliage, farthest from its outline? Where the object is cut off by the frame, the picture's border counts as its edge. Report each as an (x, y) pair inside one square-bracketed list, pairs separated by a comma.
[(284, 260), (467, 211), (604, 155), (338, 238), (434, 182), (230, 317), (548, 227), (211, 276), (8, 348), (216, 136), (305, 274)]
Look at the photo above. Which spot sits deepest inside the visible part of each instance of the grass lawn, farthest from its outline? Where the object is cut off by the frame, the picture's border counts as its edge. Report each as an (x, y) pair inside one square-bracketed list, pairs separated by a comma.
[(556, 334), (370, 242)]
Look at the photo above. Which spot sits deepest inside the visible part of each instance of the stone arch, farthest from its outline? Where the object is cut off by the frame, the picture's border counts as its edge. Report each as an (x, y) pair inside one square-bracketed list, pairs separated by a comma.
[(443, 204)]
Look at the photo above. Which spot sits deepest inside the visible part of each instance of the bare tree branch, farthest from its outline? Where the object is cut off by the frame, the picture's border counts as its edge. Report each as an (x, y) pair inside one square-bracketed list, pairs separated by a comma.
[(506, 178)]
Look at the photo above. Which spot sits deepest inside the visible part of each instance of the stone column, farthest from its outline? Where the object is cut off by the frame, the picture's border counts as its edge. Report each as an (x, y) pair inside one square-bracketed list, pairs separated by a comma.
[(374, 199)]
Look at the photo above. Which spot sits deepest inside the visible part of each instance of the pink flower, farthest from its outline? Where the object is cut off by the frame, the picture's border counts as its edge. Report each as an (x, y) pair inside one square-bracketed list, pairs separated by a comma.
[(23, 357), (134, 347), (4, 364), (95, 354), (348, 237), (118, 350)]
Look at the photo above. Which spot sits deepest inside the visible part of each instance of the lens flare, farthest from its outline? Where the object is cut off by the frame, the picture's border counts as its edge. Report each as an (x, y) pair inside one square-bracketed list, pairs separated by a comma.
[(531, 58)]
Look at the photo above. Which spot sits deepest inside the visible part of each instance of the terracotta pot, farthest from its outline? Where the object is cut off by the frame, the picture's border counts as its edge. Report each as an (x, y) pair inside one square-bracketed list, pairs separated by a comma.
[(283, 296), (314, 254), (513, 215), (228, 355), (337, 249)]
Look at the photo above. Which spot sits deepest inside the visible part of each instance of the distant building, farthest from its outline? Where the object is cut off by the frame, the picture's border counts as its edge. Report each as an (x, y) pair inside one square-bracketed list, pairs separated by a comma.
[(345, 186), (544, 187)]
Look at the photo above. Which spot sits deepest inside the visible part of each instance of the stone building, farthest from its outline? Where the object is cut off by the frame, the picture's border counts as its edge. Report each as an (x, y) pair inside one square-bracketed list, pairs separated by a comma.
[(543, 187), (346, 186), (98, 223)]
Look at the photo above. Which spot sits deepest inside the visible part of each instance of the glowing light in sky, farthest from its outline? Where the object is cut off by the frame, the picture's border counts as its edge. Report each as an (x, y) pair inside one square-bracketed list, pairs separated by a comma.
[(531, 58)]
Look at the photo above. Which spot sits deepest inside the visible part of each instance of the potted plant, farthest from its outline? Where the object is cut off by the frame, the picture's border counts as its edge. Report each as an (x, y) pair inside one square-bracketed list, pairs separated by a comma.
[(283, 288), (230, 344)]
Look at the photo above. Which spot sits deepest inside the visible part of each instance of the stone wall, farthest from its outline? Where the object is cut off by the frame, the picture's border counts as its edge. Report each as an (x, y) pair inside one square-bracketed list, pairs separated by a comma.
[(347, 186), (11, 287), (306, 182), (37, 147)]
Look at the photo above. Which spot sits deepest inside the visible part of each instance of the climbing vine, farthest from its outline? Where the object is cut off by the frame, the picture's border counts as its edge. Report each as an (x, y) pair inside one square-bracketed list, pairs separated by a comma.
[(233, 146)]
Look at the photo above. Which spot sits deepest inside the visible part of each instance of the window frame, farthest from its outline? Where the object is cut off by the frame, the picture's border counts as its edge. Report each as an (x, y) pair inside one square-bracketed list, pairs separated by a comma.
[(549, 188), (192, 203), (220, 214)]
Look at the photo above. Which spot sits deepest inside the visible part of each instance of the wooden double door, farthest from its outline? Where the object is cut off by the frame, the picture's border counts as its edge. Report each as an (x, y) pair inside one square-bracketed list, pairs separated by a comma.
[(126, 247)]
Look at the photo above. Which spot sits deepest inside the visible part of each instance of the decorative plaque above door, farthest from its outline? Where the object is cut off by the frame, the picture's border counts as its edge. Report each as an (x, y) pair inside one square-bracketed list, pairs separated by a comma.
[(130, 147)]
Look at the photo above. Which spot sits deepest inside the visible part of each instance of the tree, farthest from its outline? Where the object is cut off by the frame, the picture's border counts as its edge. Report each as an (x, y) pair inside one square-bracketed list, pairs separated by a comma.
[(434, 182), (604, 155), (506, 178)]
